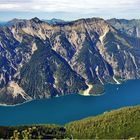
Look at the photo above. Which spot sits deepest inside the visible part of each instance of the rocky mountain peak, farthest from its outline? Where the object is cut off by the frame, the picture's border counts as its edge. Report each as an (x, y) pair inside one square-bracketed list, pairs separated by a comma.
[(45, 61), (36, 20)]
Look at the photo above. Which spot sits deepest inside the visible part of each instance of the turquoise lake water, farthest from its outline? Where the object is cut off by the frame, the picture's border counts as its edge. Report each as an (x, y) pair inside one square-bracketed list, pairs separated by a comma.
[(68, 108)]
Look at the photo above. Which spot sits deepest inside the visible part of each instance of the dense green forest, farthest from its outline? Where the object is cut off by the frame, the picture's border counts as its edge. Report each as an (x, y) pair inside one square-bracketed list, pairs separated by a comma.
[(119, 124)]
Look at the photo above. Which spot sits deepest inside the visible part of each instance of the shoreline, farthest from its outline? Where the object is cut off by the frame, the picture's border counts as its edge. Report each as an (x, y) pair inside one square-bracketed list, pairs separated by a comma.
[(6, 105), (90, 116), (87, 94)]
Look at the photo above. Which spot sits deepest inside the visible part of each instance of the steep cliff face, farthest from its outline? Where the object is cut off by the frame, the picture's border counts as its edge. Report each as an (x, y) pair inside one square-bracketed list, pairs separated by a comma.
[(39, 60), (130, 27), (97, 51)]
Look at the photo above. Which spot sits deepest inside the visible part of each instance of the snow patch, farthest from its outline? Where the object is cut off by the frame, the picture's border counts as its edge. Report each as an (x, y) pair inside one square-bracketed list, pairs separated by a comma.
[(34, 48), (117, 82), (133, 59), (97, 73), (137, 31), (91, 72), (90, 51), (118, 46)]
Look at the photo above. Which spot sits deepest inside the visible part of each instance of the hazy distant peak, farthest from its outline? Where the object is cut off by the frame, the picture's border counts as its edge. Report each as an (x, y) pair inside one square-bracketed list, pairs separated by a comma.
[(55, 21)]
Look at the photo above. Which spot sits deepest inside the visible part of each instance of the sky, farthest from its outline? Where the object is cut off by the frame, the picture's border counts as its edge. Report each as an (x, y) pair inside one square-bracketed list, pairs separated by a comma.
[(69, 9)]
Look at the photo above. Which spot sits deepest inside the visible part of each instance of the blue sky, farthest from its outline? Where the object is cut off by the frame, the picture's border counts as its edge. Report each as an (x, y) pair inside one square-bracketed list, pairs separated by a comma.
[(69, 9)]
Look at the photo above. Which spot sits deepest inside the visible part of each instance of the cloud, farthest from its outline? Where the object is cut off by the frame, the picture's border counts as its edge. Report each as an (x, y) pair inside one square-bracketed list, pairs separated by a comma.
[(8, 6), (65, 5), (73, 8)]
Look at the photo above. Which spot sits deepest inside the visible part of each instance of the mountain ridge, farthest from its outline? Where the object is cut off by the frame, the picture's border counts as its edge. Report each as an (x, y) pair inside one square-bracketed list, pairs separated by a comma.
[(51, 60)]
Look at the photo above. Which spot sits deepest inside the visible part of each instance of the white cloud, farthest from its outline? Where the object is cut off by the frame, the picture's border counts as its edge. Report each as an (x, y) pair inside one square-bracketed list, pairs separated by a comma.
[(6, 6), (66, 5), (72, 8)]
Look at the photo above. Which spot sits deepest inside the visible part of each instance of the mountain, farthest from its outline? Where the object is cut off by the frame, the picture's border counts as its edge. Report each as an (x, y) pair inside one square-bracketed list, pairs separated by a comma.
[(55, 21), (130, 27), (118, 124), (39, 60), (2, 23)]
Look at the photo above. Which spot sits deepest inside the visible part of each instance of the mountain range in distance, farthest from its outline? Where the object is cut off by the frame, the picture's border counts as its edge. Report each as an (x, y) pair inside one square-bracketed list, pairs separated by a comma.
[(44, 59), (52, 21)]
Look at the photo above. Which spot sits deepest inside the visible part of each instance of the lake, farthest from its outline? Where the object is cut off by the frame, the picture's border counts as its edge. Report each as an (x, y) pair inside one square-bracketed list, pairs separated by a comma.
[(68, 108)]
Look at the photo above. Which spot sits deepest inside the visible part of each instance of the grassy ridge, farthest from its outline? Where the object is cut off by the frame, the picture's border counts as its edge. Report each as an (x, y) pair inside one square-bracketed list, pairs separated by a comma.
[(120, 124)]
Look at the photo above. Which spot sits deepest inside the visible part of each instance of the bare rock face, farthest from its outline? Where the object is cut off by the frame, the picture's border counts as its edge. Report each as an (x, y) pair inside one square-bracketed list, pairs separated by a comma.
[(130, 27), (39, 60), (13, 94)]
